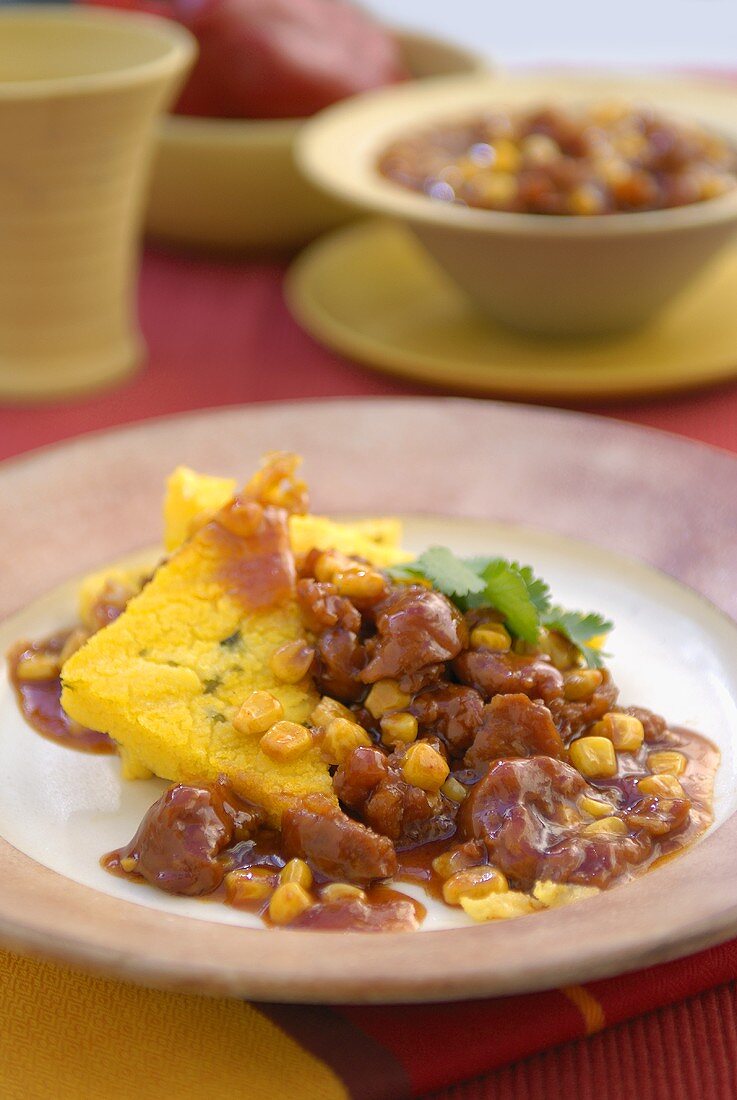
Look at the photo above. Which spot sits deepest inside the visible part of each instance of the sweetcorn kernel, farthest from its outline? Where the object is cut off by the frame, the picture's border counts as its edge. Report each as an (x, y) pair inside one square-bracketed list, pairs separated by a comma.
[(249, 884), (612, 825), (554, 894), (398, 726), (296, 870), (339, 891), (624, 731), (474, 882), (327, 709), (360, 584), (491, 636), (291, 662), (341, 738), (662, 785), (38, 666), (286, 741), (329, 563), (500, 906), (128, 864), (594, 806), (288, 902), (258, 713), (447, 863), (594, 757), (385, 695), (424, 767), (669, 762), (454, 790), (581, 683)]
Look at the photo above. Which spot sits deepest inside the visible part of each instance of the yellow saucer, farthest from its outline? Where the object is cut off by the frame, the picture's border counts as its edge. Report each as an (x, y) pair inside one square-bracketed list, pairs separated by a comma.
[(370, 292)]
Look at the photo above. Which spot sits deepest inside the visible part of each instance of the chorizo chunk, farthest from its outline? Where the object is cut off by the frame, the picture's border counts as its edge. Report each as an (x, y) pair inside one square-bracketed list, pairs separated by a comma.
[(334, 844), (513, 725), (450, 711), (415, 627), (525, 813), (372, 784), (509, 673), (181, 836)]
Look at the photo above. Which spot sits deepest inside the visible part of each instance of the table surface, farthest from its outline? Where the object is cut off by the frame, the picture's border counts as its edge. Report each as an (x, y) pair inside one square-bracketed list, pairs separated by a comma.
[(219, 333)]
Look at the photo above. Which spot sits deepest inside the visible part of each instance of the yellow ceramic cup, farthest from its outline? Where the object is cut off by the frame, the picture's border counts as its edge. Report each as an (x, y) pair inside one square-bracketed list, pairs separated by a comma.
[(80, 92)]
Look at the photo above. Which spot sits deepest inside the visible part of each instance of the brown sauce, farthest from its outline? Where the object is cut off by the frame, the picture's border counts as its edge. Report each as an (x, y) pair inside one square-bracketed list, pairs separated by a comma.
[(40, 702)]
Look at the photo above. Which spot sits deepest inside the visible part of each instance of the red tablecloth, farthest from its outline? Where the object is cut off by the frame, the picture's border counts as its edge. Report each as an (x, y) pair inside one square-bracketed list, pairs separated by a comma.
[(218, 333)]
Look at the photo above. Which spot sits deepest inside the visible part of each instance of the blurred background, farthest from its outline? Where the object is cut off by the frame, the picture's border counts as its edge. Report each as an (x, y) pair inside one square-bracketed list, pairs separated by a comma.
[(634, 32)]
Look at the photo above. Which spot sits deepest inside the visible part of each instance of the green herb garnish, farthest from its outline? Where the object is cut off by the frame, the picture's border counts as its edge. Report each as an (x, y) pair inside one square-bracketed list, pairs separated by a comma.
[(512, 589)]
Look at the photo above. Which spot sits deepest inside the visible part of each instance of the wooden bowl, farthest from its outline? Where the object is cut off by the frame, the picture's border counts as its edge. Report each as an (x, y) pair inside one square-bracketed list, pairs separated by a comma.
[(232, 184)]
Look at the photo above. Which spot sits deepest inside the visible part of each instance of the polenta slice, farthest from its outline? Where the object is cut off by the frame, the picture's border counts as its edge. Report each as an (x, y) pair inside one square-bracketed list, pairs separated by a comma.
[(192, 498), (167, 677)]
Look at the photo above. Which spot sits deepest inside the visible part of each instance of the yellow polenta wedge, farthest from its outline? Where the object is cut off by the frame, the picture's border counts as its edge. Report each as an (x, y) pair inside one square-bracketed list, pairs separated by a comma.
[(191, 498), (167, 677)]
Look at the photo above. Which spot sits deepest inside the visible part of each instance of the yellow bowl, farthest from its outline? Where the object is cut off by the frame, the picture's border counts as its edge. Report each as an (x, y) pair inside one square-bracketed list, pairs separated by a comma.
[(233, 184), (545, 274)]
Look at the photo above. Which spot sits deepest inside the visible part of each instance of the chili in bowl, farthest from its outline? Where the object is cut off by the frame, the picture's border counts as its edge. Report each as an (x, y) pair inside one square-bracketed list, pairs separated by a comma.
[(635, 179)]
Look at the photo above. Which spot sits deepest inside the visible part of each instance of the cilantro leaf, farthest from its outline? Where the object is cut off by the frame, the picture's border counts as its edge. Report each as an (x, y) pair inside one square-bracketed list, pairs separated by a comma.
[(450, 575), (507, 591), (580, 627), (514, 590)]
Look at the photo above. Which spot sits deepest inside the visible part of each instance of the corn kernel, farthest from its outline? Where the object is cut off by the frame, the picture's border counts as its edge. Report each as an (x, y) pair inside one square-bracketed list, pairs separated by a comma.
[(540, 149), (329, 563), (38, 666), (385, 695), (288, 902), (296, 870), (399, 726), (562, 653), (447, 863), (496, 188), (494, 637), (258, 713), (454, 790), (594, 757), (424, 767), (661, 785), (128, 864), (581, 683), (507, 155), (291, 662), (624, 731), (594, 806), (242, 518), (554, 894), (327, 709), (286, 741), (668, 762), (75, 641), (474, 882), (612, 825), (341, 738), (500, 906), (586, 199), (249, 884), (360, 584), (338, 891)]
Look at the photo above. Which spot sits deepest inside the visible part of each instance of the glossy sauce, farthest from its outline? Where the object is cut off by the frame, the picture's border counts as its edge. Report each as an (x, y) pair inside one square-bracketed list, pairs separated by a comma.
[(40, 702)]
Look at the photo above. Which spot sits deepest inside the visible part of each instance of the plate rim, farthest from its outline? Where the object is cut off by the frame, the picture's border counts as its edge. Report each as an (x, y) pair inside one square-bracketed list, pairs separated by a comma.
[(130, 941)]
